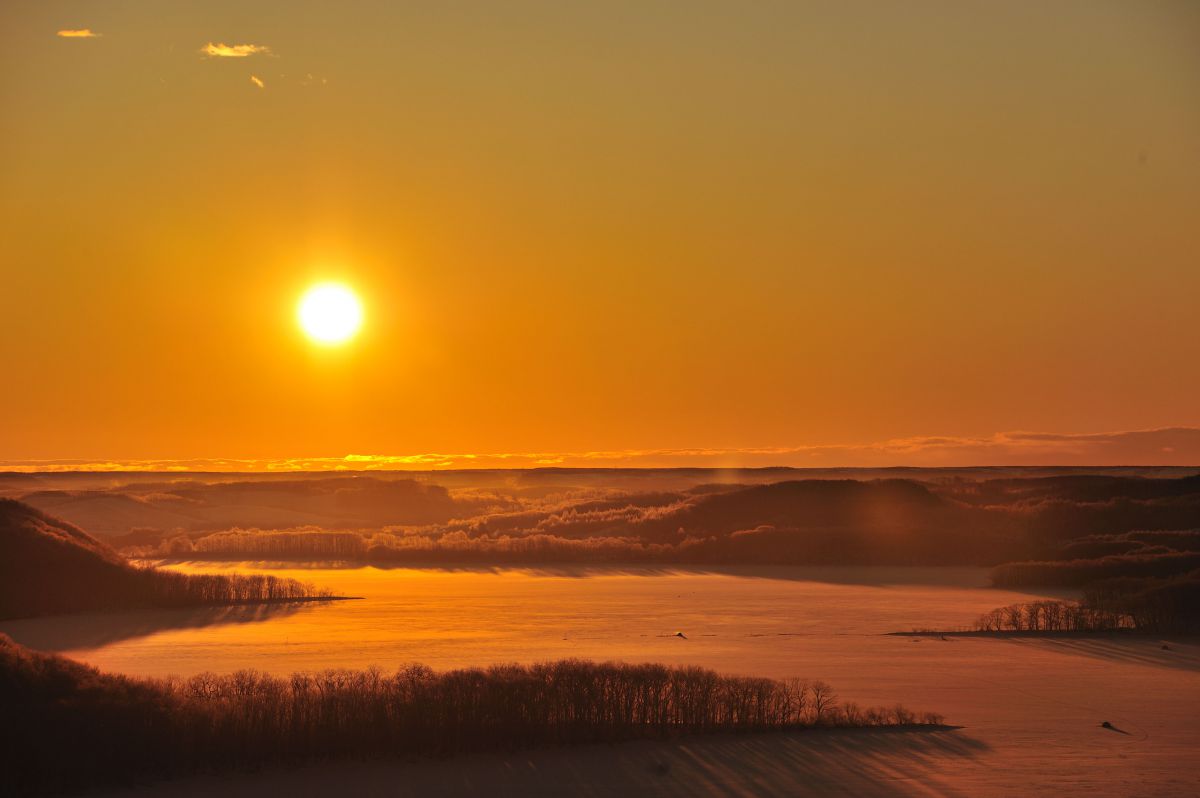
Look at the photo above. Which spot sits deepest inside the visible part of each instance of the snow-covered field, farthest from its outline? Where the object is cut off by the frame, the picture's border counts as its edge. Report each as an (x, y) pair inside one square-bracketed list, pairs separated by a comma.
[(1030, 709)]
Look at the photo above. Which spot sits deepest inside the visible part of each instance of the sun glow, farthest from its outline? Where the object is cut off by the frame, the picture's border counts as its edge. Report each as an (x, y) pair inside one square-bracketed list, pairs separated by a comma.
[(330, 313)]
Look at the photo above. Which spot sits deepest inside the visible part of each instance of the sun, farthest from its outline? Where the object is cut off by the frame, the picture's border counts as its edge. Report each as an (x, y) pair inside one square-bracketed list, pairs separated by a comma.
[(330, 313)]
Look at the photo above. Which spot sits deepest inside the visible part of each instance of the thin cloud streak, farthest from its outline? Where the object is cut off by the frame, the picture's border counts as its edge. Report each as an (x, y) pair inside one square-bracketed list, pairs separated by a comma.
[(1171, 446), (257, 81), (77, 33), (223, 50)]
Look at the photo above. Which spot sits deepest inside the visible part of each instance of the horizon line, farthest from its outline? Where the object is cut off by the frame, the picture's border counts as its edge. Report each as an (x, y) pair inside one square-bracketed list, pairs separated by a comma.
[(8, 471), (1177, 446)]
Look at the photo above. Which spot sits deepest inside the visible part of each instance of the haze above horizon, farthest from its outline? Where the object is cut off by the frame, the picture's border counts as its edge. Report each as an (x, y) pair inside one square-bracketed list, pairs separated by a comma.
[(631, 234)]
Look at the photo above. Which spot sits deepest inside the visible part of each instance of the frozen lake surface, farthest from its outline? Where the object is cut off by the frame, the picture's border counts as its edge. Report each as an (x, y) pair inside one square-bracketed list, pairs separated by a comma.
[(1031, 709)]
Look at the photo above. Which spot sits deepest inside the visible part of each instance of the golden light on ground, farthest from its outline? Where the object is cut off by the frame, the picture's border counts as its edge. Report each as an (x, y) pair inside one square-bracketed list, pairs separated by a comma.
[(330, 313)]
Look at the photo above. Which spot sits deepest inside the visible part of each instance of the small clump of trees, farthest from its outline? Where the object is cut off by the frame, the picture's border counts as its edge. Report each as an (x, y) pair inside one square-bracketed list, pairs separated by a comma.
[(80, 727), (1151, 606), (1052, 616), (171, 589)]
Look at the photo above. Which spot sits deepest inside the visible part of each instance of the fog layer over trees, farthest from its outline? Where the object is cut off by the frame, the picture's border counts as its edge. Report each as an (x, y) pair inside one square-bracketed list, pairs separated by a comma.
[(927, 517)]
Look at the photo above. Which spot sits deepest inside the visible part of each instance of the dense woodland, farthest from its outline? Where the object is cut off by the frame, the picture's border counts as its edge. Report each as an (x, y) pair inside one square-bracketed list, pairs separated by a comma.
[(652, 516), (80, 727), (1144, 581), (48, 566), (1089, 559)]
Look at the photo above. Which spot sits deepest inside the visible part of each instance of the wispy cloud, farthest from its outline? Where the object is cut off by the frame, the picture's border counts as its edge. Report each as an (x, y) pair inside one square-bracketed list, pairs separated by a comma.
[(234, 50), (257, 81), (1171, 446), (77, 33)]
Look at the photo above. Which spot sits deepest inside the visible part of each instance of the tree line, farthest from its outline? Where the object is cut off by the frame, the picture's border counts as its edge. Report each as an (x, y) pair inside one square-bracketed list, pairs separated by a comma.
[(1053, 616), (72, 725), (1152, 606), (763, 544), (1079, 572), (1141, 542), (169, 589), (1164, 606)]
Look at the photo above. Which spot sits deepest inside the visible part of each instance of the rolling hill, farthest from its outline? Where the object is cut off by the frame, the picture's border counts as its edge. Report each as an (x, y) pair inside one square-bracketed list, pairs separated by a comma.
[(48, 566)]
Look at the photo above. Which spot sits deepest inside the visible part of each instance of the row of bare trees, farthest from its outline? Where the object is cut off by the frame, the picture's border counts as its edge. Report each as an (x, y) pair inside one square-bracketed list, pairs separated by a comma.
[(311, 543), (391, 547), (1053, 616), (78, 727), (417, 709), (167, 588)]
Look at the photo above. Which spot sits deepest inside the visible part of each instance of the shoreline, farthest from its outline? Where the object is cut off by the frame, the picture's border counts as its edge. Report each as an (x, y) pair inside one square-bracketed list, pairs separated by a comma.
[(202, 606)]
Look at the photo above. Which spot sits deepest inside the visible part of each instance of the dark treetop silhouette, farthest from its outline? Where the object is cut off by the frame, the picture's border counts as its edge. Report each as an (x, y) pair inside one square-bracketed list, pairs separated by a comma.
[(71, 726)]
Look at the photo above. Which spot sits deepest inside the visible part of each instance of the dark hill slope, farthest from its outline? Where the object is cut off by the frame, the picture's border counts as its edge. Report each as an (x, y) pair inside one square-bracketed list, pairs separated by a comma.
[(839, 522), (339, 502), (1063, 508), (48, 566)]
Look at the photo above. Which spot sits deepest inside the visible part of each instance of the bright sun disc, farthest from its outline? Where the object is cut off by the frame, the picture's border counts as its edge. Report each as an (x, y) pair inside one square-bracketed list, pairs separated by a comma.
[(330, 313)]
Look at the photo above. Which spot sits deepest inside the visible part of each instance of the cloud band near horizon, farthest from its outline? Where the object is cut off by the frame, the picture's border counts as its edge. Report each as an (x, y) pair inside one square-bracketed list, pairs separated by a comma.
[(1169, 446)]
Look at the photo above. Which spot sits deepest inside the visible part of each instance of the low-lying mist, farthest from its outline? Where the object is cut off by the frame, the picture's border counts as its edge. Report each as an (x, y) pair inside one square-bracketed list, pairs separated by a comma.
[(930, 517)]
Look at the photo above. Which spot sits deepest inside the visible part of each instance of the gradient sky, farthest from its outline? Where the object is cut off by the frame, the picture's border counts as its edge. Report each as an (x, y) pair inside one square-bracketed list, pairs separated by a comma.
[(597, 227)]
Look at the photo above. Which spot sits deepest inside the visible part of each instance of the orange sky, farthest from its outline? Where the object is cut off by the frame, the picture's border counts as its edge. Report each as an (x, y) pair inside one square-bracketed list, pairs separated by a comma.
[(759, 230)]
